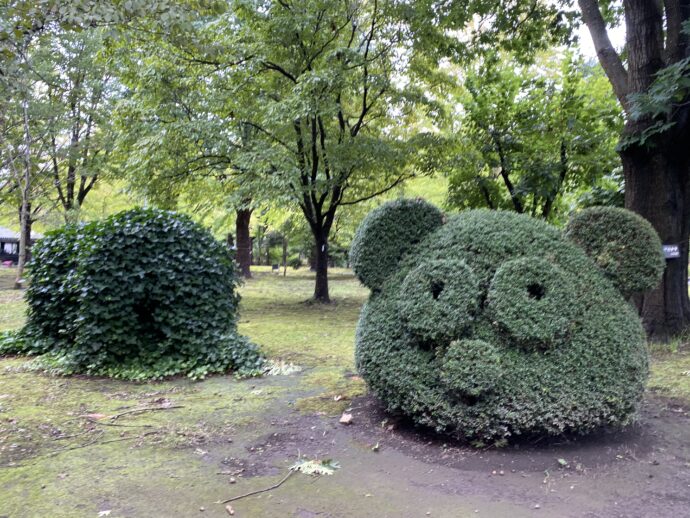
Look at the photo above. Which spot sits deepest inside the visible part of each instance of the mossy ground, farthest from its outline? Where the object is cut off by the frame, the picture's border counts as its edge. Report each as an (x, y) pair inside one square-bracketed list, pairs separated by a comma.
[(61, 454)]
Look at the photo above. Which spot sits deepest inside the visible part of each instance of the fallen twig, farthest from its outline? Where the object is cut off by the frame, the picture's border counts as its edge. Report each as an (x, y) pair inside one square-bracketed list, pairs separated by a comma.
[(123, 425), (143, 409), (60, 437), (258, 491), (97, 442)]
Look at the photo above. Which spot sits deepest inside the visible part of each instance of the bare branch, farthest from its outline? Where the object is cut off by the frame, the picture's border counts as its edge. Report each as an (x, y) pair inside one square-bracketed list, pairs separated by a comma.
[(608, 57)]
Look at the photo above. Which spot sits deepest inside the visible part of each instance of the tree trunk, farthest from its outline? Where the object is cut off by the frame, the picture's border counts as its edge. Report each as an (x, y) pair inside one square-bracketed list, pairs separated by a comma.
[(25, 210), (285, 255), (27, 230), (321, 266), (244, 241), (656, 173), (657, 188), (24, 229)]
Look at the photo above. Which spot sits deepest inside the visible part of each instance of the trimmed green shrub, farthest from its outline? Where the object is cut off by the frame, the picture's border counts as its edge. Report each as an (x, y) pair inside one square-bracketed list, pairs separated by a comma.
[(387, 234), (438, 299), (495, 326), (531, 300), (623, 244), (143, 294)]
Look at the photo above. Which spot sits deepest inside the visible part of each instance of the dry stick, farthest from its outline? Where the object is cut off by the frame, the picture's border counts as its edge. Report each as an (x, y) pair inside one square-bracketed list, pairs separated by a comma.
[(69, 448), (251, 493), (123, 425), (145, 409), (96, 441), (70, 436)]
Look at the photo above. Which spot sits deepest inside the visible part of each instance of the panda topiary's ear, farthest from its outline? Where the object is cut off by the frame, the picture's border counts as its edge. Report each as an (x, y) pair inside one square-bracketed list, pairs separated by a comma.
[(386, 234), (624, 245)]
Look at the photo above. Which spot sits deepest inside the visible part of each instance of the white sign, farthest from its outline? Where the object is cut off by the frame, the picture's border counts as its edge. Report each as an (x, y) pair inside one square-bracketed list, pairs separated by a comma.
[(671, 251)]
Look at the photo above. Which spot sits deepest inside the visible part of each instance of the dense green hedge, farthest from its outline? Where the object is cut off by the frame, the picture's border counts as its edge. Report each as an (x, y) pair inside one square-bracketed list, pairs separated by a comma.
[(532, 339), (386, 234), (624, 245), (143, 294)]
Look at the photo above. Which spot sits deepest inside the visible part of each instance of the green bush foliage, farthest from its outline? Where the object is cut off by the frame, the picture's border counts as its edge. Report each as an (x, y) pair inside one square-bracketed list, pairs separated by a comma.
[(387, 234), (527, 337), (143, 294), (438, 299), (623, 244)]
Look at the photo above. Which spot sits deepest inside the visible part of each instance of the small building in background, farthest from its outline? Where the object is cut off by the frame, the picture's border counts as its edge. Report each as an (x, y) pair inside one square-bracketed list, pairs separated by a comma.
[(9, 245)]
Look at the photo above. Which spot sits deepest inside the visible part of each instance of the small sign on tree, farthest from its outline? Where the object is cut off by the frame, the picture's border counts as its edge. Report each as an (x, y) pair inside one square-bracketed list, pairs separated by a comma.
[(671, 251)]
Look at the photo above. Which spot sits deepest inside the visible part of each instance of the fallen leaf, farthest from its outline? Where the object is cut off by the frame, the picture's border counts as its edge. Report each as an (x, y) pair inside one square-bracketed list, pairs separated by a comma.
[(316, 467)]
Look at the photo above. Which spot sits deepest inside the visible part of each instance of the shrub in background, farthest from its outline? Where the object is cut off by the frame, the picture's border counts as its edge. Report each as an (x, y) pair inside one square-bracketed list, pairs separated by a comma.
[(143, 294), (495, 325)]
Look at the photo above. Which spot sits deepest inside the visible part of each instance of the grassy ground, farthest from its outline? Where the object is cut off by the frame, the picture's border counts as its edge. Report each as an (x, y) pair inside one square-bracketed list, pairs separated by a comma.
[(64, 453)]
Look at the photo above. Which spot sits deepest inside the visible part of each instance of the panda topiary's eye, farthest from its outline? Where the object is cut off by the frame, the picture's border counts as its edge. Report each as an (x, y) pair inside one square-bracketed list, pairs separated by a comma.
[(438, 299), (531, 299)]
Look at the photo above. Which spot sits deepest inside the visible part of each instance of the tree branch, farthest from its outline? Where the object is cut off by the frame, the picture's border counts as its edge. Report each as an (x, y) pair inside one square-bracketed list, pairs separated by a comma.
[(608, 57), (397, 182)]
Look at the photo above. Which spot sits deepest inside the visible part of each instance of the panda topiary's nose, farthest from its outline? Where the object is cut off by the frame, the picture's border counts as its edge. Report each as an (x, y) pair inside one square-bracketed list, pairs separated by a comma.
[(471, 368)]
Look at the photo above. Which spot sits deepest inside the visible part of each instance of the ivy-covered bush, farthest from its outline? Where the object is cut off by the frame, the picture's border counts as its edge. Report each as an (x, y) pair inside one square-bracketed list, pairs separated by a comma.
[(495, 326), (623, 244), (143, 294)]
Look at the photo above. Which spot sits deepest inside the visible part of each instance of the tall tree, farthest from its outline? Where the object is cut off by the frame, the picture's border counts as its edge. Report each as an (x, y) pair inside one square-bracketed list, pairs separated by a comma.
[(80, 96), (651, 79), (315, 80), (531, 135)]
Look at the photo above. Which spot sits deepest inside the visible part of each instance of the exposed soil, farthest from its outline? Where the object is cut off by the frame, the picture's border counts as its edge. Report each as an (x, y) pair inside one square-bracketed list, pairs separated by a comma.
[(643, 471)]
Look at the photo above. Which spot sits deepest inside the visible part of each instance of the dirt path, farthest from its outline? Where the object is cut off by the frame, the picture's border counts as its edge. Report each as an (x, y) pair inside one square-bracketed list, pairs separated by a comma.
[(642, 472)]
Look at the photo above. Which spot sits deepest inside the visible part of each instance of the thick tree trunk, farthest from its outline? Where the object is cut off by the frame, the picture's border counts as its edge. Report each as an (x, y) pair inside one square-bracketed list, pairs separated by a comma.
[(657, 188), (321, 266), (244, 241)]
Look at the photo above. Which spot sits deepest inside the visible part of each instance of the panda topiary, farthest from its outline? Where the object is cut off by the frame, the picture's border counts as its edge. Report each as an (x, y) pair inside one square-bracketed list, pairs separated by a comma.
[(493, 325)]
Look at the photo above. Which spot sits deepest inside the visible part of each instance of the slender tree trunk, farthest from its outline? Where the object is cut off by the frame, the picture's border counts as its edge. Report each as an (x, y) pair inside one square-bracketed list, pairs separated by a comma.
[(244, 241), (321, 266), (657, 187), (25, 210), (259, 246), (27, 231), (285, 254)]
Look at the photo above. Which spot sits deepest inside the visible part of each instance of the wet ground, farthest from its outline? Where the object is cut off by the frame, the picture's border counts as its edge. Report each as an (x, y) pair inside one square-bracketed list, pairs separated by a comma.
[(180, 461)]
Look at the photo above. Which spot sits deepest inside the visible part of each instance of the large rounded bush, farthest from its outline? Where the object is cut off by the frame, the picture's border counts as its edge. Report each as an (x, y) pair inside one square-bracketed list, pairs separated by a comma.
[(495, 326), (145, 293), (623, 244)]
